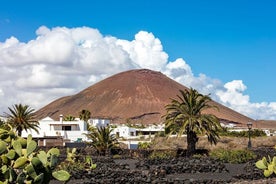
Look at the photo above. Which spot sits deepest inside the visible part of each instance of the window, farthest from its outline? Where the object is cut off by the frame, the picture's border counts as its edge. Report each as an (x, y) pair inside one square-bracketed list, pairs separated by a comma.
[(67, 128)]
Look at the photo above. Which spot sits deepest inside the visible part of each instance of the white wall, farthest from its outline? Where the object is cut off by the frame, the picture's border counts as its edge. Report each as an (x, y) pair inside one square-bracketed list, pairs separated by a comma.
[(124, 131), (50, 128), (99, 122)]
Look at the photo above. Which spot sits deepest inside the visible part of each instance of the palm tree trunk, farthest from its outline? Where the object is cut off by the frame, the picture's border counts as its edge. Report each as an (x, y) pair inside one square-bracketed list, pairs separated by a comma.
[(19, 132), (191, 141)]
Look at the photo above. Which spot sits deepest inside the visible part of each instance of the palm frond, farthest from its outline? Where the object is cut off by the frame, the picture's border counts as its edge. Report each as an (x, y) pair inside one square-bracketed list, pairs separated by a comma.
[(184, 115)]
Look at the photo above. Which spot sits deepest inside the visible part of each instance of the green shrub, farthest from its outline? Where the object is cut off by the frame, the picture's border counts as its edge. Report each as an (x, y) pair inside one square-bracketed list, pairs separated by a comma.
[(144, 145), (74, 162), (253, 133), (233, 156), (116, 156), (160, 134), (197, 156), (162, 154)]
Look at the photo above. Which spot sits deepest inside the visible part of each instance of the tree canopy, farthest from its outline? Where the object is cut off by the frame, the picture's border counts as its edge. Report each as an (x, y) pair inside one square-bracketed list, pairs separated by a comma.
[(185, 115), (22, 117)]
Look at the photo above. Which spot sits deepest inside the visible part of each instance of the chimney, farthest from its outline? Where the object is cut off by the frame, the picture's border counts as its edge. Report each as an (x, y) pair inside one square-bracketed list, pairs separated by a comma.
[(61, 118)]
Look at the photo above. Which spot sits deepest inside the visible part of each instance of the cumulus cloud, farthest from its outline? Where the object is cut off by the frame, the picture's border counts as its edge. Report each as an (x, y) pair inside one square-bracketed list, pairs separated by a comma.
[(233, 93), (61, 61)]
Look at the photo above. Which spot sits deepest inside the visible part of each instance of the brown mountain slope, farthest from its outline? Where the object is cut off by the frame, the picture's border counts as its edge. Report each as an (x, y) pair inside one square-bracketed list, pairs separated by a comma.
[(267, 124), (138, 96)]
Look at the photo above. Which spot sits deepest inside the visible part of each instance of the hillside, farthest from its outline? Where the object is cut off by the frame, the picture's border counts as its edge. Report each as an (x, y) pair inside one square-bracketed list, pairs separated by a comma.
[(136, 96)]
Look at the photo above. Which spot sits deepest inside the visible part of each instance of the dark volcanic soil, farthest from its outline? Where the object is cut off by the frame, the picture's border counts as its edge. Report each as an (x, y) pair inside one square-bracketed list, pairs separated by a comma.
[(178, 170)]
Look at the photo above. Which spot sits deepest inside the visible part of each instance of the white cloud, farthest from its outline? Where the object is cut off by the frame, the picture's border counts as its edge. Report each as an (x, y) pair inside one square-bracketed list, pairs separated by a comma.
[(233, 95), (146, 51), (62, 61)]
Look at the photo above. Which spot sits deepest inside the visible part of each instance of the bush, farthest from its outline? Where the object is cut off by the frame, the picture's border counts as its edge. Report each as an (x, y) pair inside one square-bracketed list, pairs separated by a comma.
[(233, 156), (144, 145), (254, 133), (160, 134), (162, 154), (75, 162)]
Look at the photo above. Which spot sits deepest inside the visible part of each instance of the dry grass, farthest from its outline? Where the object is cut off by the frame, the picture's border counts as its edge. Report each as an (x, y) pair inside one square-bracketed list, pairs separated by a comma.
[(224, 142)]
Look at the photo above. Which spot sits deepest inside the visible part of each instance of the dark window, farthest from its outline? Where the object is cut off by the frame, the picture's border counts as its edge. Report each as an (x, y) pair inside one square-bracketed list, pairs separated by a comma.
[(66, 128)]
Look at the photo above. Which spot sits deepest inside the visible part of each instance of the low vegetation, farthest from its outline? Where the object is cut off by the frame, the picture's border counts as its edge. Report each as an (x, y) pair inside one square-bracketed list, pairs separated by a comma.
[(233, 156), (21, 162), (223, 143), (268, 165), (144, 145), (253, 133), (75, 162), (157, 154)]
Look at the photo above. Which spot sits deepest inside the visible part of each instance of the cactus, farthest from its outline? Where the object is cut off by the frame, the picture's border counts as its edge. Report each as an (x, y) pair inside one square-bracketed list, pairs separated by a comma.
[(89, 162), (71, 155), (20, 162), (75, 162), (268, 165)]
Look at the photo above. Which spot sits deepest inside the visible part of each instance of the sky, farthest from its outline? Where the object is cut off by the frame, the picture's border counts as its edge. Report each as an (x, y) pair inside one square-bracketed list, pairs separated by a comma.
[(50, 49)]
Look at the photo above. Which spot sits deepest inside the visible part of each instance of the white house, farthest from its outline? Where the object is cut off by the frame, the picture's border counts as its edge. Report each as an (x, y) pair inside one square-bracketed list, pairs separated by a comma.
[(58, 133), (68, 131), (124, 131), (151, 129), (99, 122)]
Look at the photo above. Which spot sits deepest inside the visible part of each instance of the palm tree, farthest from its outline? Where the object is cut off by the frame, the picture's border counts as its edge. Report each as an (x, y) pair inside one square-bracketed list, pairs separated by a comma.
[(185, 116), (21, 117), (102, 139), (84, 115), (69, 118)]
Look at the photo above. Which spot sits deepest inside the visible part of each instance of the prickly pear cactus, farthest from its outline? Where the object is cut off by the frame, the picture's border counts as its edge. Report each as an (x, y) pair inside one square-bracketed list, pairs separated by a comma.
[(268, 165), (21, 162)]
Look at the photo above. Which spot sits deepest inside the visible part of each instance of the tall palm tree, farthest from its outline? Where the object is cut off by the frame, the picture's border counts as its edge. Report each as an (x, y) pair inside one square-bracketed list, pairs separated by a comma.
[(84, 115), (185, 116), (102, 139), (21, 117)]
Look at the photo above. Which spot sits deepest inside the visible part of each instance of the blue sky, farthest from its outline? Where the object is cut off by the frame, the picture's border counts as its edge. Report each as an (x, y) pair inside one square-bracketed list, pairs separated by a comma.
[(225, 40)]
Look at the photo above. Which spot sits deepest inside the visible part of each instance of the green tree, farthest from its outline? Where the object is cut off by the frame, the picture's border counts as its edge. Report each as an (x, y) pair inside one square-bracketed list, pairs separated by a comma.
[(84, 115), (22, 117), (69, 118), (102, 139), (185, 115)]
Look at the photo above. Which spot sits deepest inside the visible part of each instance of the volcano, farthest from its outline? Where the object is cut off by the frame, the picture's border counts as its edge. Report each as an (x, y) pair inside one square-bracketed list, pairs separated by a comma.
[(135, 96)]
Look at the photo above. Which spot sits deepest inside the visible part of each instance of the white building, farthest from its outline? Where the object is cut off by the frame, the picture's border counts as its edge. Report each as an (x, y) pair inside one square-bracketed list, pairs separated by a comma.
[(57, 133), (99, 122), (124, 131), (151, 129), (68, 131)]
